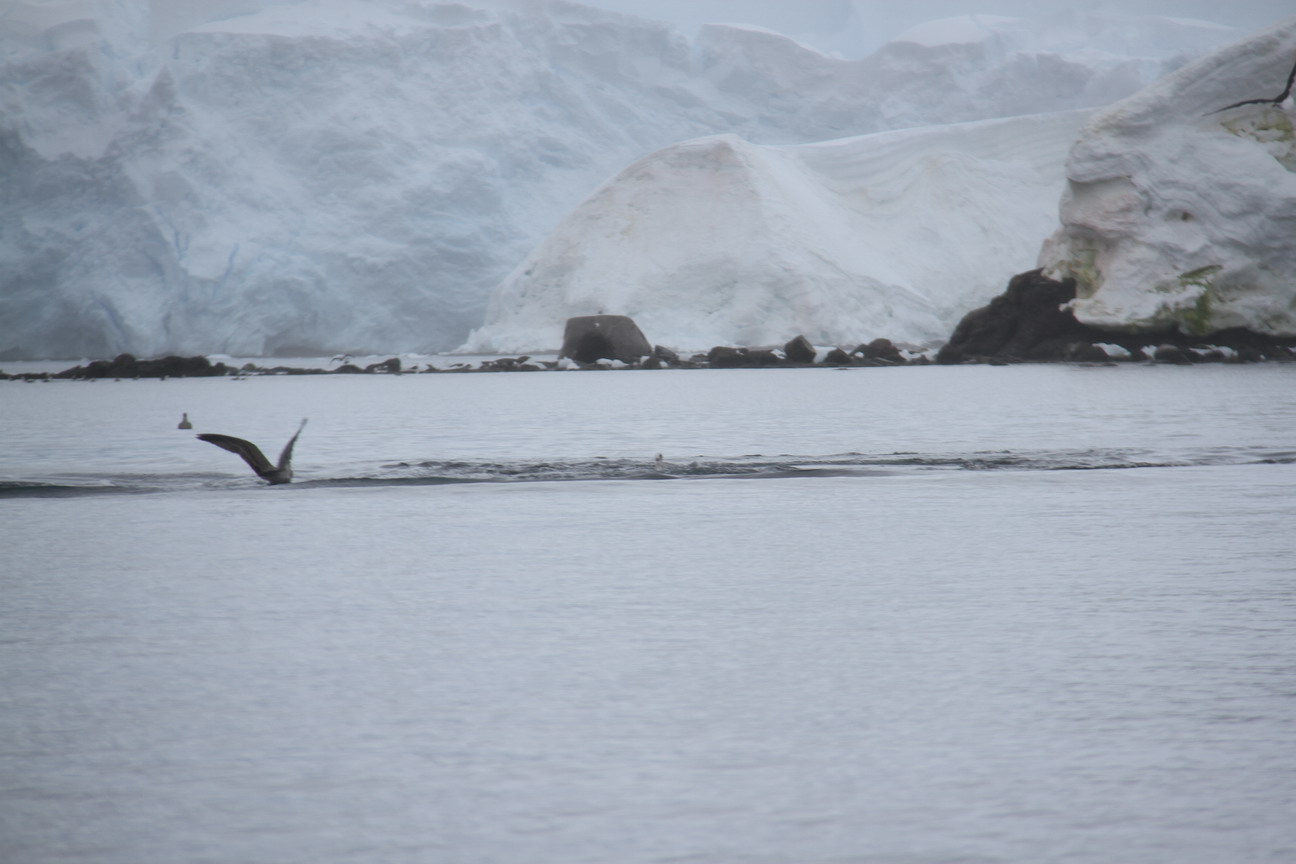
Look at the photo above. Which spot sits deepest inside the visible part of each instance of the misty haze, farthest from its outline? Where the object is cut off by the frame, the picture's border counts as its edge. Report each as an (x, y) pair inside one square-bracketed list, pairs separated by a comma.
[(629, 432)]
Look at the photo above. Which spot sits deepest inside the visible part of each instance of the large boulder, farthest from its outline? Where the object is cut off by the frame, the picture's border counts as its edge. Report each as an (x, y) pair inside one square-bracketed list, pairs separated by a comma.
[(1026, 322), (799, 350), (590, 338), (881, 349)]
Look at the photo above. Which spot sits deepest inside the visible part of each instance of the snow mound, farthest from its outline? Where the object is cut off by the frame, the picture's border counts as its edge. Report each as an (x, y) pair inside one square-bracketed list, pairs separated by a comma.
[(721, 241), (1177, 215)]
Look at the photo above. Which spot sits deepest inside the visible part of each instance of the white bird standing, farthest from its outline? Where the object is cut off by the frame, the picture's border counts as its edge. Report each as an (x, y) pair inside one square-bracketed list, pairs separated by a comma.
[(256, 460)]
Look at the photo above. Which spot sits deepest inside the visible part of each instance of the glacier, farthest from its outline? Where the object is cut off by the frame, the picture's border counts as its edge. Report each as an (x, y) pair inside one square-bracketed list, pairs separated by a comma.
[(258, 178), (1181, 216)]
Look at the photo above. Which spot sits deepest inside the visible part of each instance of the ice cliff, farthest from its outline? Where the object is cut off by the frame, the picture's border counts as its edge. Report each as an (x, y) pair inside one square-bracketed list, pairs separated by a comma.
[(1178, 215), (257, 177)]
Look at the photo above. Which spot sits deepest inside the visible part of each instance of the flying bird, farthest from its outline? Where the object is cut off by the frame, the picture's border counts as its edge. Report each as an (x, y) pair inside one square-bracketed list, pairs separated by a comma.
[(256, 460)]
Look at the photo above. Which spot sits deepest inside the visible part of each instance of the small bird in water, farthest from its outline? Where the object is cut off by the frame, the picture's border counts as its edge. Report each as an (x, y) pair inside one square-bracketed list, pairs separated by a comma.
[(256, 460), (184, 422)]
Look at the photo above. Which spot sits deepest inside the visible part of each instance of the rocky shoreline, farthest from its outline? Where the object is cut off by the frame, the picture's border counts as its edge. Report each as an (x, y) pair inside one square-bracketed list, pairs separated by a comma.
[(798, 353), (1028, 323)]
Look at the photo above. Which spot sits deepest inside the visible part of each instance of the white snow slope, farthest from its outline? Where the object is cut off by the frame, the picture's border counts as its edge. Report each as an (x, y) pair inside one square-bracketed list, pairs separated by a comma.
[(339, 175), (1180, 216), (720, 241)]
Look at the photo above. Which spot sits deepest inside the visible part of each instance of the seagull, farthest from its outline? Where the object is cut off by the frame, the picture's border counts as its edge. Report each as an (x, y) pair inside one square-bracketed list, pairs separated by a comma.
[(256, 460), (184, 422)]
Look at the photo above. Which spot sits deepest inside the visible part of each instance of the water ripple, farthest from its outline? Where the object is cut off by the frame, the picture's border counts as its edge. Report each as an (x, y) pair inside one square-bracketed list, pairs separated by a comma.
[(755, 467)]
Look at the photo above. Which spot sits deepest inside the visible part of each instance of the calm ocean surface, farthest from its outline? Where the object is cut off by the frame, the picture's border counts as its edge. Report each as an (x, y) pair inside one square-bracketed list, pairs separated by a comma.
[(890, 616)]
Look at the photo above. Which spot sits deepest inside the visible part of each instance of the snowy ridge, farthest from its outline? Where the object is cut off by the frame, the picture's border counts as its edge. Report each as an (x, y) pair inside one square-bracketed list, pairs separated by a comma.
[(720, 241), (254, 178), (1179, 216)]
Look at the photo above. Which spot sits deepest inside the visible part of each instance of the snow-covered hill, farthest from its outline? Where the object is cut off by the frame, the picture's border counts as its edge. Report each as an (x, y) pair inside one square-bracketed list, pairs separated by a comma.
[(720, 241), (253, 177), (1180, 215)]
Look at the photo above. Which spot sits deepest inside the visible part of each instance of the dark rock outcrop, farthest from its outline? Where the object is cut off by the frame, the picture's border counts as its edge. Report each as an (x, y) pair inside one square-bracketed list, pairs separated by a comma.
[(590, 338), (665, 356), (799, 350), (510, 364), (881, 349), (725, 357), (127, 366), (1085, 352), (1026, 322), (1029, 322), (838, 357), (1171, 354)]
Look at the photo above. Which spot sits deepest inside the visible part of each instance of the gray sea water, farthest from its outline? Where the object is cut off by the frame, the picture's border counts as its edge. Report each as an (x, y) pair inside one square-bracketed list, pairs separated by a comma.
[(903, 616)]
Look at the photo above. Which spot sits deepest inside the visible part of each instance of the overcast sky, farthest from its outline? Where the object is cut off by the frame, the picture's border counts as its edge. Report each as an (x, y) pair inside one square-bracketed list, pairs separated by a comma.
[(872, 22)]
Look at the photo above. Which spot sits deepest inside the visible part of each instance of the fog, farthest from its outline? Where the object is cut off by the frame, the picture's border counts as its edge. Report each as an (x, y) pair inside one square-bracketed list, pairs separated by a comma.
[(846, 27), (857, 26)]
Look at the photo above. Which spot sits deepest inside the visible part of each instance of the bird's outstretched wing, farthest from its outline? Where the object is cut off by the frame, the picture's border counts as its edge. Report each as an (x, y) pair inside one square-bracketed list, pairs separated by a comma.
[(285, 458), (251, 453)]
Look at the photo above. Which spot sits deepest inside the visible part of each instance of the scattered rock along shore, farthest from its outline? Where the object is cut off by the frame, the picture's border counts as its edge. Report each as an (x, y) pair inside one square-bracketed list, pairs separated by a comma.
[(1029, 323), (798, 352)]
